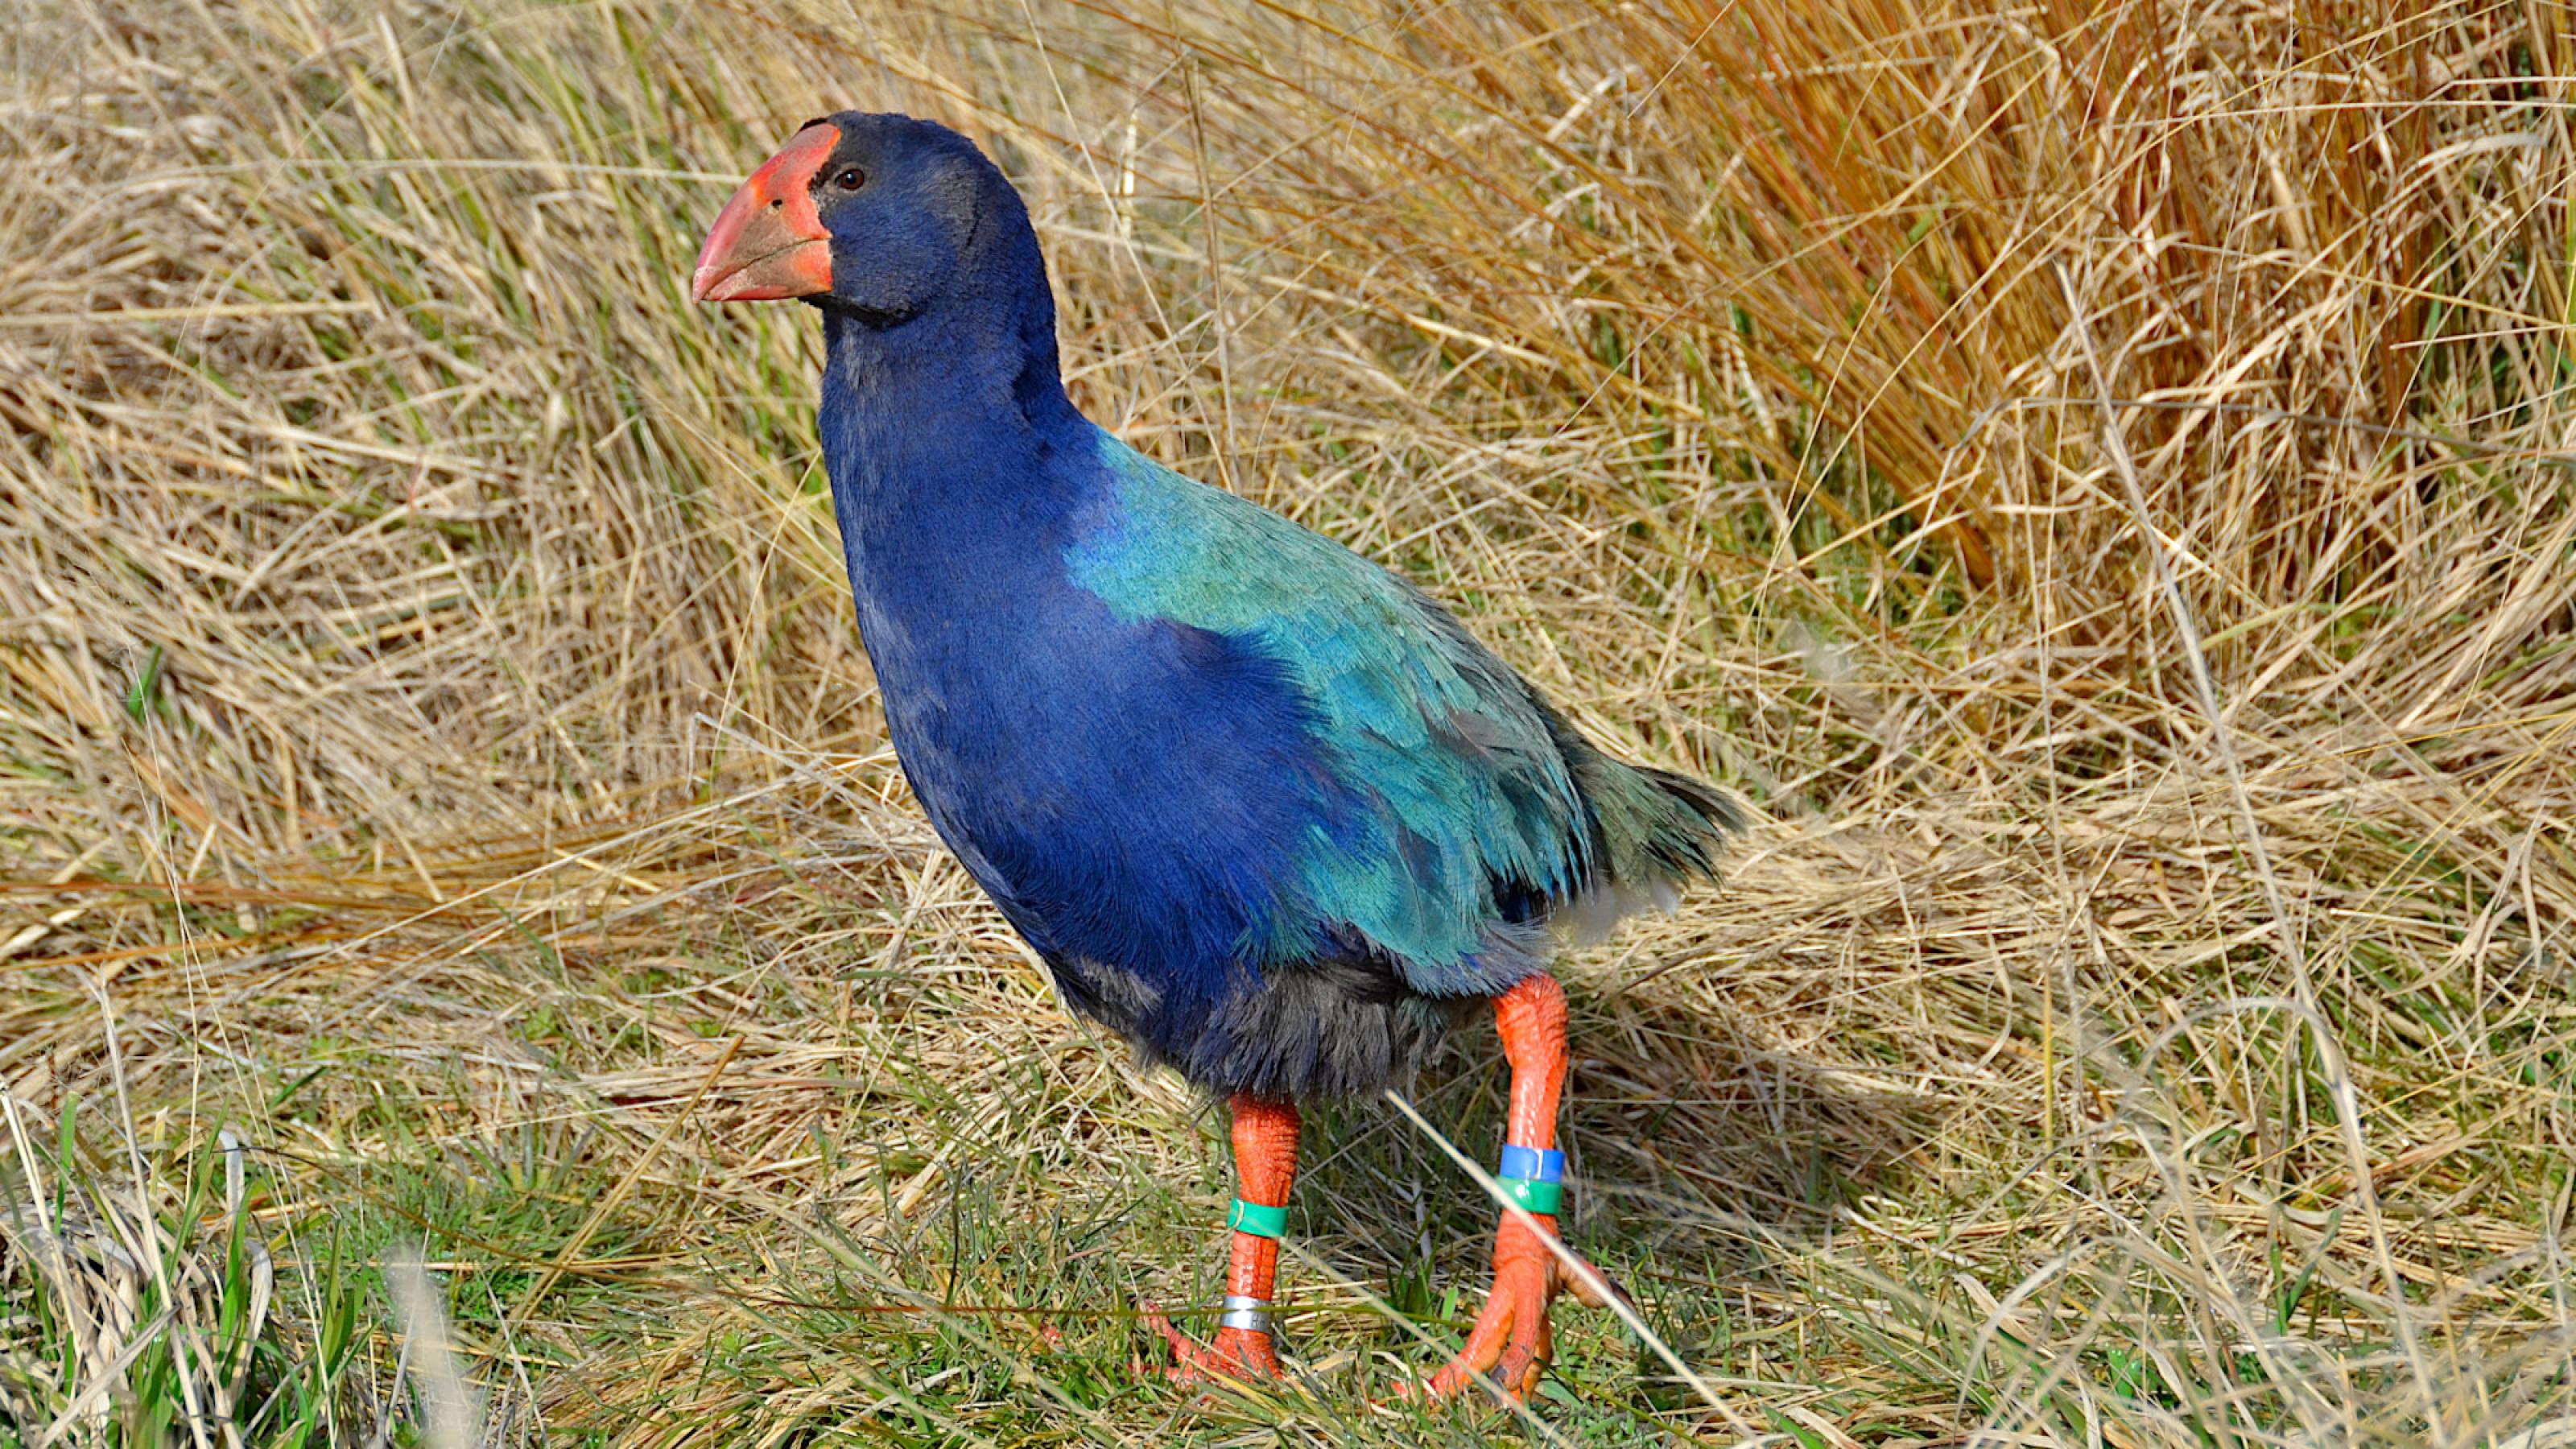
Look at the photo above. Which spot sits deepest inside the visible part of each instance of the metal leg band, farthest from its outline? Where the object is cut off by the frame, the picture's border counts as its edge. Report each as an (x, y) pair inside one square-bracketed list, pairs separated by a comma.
[(1251, 1315)]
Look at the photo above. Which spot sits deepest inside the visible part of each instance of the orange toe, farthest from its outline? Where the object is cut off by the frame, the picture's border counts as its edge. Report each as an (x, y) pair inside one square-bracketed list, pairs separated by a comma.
[(1512, 1342), (1236, 1355)]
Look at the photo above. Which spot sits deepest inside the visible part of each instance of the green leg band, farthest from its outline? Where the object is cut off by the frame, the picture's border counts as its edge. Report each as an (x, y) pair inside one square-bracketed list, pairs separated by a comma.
[(1257, 1219), (1536, 1196)]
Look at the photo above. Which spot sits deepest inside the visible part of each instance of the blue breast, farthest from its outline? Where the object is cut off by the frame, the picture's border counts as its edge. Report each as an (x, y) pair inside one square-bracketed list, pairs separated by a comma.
[(1128, 790)]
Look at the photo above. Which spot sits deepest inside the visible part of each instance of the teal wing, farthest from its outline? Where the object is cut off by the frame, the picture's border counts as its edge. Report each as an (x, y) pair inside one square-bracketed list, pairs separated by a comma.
[(1459, 823)]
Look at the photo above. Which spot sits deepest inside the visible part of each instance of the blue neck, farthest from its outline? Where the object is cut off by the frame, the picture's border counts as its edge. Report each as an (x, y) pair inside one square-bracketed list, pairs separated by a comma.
[(950, 419), (958, 465)]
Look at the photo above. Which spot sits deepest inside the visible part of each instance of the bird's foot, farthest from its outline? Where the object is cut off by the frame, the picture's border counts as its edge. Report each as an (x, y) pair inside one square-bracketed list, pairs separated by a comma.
[(1511, 1341), (1237, 1355)]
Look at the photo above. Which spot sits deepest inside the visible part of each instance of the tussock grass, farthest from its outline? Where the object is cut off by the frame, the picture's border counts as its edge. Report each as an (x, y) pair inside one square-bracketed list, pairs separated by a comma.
[(435, 749)]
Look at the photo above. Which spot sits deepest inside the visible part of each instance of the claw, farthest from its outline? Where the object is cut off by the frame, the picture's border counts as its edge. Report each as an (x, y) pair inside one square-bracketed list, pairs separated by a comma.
[(1238, 1355), (1512, 1341), (1581, 1286)]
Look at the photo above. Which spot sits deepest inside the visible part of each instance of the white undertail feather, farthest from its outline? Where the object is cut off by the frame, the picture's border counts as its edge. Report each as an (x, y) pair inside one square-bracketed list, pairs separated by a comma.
[(1589, 918)]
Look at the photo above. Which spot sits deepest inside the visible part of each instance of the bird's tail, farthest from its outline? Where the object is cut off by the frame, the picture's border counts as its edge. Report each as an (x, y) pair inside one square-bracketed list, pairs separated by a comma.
[(1656, 827), (1658, 832)]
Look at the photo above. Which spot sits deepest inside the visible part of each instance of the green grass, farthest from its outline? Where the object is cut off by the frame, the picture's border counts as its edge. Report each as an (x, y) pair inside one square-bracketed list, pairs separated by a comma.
[(150, 1258)]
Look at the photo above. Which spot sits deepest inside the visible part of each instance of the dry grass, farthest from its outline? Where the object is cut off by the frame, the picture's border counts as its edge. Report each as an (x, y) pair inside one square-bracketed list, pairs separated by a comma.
[(432, 743)]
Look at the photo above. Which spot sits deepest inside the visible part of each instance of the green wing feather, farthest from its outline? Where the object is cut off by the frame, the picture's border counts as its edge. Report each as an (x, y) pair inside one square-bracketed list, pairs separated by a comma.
[(1475, 787)]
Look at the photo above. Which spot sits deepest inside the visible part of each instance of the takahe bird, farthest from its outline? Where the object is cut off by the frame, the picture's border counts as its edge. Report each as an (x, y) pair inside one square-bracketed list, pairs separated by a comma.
[(1260, 806)]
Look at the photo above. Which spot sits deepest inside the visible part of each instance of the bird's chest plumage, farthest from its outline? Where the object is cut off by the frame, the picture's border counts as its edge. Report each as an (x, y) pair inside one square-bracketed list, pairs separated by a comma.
[(1130, 791)]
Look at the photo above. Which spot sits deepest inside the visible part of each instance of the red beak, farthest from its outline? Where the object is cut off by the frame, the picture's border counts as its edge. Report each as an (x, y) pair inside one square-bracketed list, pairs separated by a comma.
[(767, 243)]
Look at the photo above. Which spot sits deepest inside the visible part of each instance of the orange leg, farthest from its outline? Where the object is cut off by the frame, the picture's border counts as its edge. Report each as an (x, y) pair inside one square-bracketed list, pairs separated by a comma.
[(1510, 1339), (1265, 1166)]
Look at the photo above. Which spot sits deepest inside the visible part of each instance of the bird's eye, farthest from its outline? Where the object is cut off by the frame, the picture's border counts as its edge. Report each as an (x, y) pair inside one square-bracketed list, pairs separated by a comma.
[(850, 179)]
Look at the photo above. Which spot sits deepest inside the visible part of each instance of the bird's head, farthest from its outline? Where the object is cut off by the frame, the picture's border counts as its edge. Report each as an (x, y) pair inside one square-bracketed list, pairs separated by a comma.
[(875, 215)]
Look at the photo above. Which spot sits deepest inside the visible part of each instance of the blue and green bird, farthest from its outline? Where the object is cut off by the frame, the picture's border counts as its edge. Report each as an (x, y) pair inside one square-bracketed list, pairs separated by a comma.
[(1261, 806)]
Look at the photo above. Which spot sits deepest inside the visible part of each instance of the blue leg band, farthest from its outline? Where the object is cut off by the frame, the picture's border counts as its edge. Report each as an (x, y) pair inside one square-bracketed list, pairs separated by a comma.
[(1536, 1164)]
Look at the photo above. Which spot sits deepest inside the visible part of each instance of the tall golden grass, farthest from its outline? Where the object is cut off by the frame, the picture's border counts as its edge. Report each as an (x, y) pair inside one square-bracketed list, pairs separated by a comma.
[(2095, 476)]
